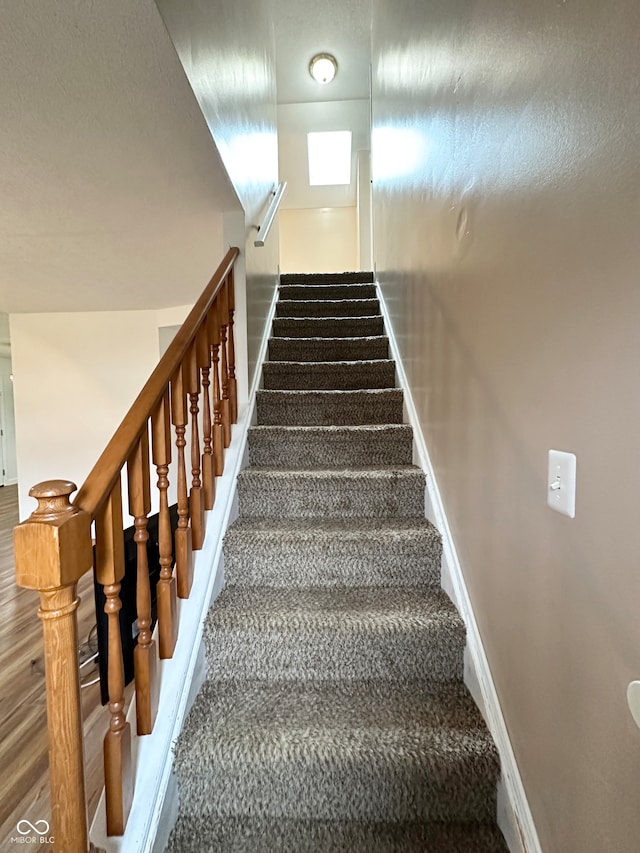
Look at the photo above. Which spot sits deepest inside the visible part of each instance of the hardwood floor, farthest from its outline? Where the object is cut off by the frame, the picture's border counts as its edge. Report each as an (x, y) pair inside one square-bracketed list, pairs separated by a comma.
[(24, 783)]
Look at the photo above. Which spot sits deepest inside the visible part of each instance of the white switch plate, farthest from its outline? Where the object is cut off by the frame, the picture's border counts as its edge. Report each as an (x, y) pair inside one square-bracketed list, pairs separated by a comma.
[(561, 482)]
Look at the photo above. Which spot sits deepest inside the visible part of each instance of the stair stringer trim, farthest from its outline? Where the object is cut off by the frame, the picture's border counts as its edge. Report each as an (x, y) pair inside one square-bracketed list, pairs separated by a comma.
[(154, 809), (514, 814)]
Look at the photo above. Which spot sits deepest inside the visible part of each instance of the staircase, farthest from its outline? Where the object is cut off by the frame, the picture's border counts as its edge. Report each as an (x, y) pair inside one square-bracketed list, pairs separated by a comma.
[(334, 716)]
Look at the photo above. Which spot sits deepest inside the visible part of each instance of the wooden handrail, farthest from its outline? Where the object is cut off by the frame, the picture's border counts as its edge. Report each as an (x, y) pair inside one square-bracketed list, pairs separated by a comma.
[(97, 487), (54, 548)]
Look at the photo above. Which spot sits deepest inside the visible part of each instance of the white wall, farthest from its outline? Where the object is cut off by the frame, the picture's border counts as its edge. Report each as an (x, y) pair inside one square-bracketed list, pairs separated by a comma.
[(228, 54), (112, 190), (323, 239), (7, 421), (75, 376)]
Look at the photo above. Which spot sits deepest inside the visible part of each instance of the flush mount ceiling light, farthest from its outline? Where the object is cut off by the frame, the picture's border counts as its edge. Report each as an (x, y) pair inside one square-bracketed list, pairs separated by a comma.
[(323, 68)]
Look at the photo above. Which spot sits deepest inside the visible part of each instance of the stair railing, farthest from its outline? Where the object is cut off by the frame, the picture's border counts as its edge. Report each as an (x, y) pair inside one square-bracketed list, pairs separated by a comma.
[(55, 547), (270, 214)]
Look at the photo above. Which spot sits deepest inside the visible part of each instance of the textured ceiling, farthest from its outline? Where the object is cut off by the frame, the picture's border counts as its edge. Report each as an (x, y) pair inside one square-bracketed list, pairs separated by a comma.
[(109, 180), (339, 27)]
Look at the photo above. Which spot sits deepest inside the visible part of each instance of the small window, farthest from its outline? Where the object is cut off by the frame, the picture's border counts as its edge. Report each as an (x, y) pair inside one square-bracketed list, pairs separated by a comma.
[(329, 157)]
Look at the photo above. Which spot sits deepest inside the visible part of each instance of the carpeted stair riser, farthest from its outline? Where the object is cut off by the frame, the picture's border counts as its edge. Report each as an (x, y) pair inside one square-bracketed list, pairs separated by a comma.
[(357, 277), (334, 635), (328, 375), (352, 751), (329, 408), (371, 493), (327, 291), (330, 447), (330, 308), (328, 349), (281, 835), (329, 327), (332, 553)]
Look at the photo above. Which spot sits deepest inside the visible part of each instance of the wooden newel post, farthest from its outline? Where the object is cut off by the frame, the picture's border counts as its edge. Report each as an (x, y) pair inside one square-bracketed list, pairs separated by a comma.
[(53, 550)]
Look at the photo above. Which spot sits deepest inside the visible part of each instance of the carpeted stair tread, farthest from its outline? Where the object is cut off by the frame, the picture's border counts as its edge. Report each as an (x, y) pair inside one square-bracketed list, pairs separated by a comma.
[(357, 277), (327, 634), (327, 291), (329, 408), (328, 349), (331, 327), (366, 610), (328, 375), (327, 308), (299, 553), (330, 446), (355, 751), (381, 492), (282, 835), (379, 707)]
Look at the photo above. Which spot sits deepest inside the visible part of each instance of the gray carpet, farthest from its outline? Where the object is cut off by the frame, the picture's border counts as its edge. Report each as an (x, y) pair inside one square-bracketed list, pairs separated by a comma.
[(333, 716), (330, 446), (316, 553), (328, 349), (327, 308), (313, 279), (329, 408), (335, 327), (327, 291), (388, 491), (329, 375), (278, 835)]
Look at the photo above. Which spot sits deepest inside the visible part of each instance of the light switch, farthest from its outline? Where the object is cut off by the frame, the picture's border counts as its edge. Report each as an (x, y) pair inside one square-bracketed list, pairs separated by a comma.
[(561, 482)]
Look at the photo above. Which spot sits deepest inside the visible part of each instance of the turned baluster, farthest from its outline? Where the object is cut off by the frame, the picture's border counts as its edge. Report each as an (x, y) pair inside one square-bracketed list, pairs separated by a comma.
[(184, 559), (52, 552), (213, 322), (191, 374), (166, 587), (118, 769), (204, 363), (145, 651), (223, 317), (233, 386)]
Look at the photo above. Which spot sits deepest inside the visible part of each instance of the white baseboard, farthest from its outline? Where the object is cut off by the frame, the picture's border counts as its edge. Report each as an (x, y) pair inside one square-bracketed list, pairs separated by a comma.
[(155, 802), (514, 815)]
